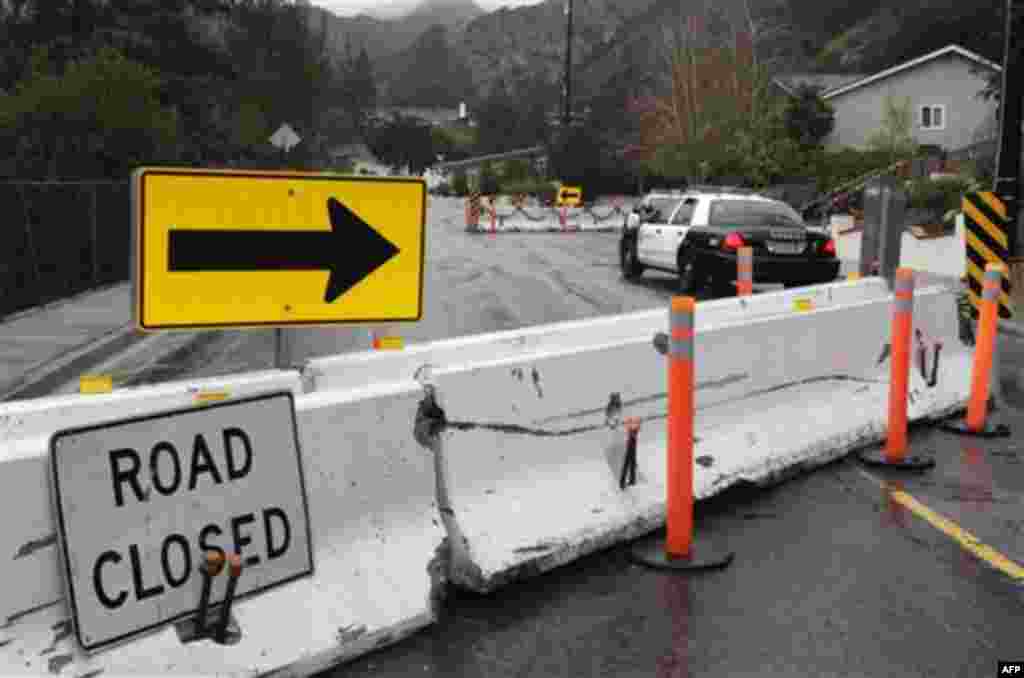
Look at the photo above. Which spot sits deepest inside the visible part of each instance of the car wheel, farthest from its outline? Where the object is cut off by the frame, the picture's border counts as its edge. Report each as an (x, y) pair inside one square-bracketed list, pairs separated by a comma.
[(687, 272), (631, 268)]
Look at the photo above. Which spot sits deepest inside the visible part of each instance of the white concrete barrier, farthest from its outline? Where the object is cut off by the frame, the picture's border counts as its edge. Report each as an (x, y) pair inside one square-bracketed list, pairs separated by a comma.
[(416, 361), (532, 445), (374, 528), (548, 220)]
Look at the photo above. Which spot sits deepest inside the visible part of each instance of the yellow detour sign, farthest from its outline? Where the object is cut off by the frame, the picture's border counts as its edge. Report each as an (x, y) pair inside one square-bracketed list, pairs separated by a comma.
[(224, 248), (987, 241), (569, 196)]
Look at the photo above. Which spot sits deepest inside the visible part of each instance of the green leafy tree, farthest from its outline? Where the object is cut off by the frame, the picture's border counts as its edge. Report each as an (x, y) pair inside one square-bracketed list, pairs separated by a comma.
[(403, 142), (488, 182), (358, 90), (460, 184), (515, 171), (512, 115), (808, 118), (101, 116), (894, 138)]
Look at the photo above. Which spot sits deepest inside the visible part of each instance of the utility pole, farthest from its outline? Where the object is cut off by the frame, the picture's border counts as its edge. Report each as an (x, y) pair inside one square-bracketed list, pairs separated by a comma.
[(567, 80), (1007, 181)]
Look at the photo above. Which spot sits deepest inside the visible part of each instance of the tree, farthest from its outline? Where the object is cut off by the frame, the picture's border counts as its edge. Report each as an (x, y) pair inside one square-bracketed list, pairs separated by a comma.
[(894, 137), (403, 142), (358, 89), (488, 183), (101, 117), (809, 118), (717, 116), (460, 184)]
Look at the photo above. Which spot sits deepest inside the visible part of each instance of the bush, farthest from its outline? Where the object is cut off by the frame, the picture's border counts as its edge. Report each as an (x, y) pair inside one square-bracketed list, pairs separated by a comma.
[(515, 171), (460, 184), (833, 168), (940, 195), (537, 188), (488, 182)]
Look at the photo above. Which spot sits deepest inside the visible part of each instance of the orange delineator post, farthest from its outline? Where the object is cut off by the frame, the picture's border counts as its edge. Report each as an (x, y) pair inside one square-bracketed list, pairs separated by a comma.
[(564, 218), (745, 271), (679, 536), (977, 408), (902, 322)]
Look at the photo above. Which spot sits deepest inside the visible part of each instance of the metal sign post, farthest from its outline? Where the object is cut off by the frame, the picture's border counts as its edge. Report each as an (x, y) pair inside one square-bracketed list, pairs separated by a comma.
[(1007, 180)]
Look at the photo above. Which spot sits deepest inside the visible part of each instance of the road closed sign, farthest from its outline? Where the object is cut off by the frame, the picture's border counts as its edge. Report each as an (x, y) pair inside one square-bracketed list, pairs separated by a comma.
[(140, 501)]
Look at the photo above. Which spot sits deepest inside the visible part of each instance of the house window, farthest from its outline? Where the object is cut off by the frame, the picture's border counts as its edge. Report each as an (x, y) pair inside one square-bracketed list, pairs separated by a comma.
[(933, 117)]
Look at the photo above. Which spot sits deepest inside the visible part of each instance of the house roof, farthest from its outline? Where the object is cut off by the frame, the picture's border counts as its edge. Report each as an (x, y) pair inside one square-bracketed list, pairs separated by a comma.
[(826, 82), (914, 63)]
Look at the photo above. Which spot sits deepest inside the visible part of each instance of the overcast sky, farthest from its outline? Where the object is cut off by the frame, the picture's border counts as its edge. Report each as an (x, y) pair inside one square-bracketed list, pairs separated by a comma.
[(352, 7)]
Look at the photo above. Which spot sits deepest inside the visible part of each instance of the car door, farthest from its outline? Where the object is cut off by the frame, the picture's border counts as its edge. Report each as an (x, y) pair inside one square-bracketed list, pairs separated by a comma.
[(673, 232), (650, 231)]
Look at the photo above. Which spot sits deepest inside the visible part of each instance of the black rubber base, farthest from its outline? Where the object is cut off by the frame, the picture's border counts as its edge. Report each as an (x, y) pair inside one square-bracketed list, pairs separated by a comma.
[(910, 462), (704, 555), (188, 629), (990, 430)]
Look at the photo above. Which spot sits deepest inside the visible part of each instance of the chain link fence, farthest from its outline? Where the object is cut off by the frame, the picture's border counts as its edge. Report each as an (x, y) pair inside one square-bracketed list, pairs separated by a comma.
[(60, 239)]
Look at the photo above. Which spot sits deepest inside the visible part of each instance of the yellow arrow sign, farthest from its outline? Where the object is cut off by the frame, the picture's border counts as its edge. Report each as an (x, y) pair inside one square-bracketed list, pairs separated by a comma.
[(224, 248)]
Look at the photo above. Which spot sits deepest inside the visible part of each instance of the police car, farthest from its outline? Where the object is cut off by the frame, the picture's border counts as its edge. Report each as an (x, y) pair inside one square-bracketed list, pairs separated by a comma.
[(695, 234)]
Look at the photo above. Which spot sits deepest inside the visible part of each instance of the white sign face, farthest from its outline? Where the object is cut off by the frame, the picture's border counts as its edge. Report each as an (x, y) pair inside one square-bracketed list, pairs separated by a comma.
[(138, 503), (285, 137)]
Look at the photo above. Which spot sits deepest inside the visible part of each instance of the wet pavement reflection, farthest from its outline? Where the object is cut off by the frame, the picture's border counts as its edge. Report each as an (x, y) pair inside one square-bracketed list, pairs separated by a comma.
[(675, 662)]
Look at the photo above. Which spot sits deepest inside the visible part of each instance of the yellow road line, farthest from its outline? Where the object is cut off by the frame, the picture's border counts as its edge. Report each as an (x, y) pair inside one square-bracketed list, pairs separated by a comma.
[(961, 536)]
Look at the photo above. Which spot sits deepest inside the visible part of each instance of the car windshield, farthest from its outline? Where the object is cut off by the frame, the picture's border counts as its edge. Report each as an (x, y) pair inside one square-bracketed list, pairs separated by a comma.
[(659, 208), (752, 213)]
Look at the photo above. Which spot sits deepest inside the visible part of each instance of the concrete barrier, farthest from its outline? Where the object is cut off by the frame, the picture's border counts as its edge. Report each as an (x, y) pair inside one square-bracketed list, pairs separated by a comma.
[(531, 445), (377, 541), (548, 220), (416, 361)]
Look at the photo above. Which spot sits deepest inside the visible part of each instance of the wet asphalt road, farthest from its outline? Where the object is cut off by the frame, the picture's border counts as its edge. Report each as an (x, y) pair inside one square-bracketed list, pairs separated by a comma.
[(832, 577)]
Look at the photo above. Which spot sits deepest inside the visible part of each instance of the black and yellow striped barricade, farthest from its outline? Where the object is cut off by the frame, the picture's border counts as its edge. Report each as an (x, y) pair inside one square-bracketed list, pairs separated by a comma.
[(987, 241)]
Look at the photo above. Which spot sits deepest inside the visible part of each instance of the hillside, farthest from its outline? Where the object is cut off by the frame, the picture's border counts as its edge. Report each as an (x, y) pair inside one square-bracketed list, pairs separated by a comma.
[(383, 38), (629, 40)]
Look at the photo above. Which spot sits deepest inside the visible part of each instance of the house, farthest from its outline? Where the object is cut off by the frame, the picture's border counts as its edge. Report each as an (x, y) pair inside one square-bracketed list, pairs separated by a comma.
[(943, 88)]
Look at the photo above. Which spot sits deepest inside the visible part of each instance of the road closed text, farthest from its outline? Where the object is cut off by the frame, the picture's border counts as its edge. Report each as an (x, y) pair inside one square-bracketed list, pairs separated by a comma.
[(210, 465)]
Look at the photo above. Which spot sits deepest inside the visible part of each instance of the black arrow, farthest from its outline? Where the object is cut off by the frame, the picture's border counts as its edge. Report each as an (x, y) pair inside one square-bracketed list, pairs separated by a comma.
[(351, 250)]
